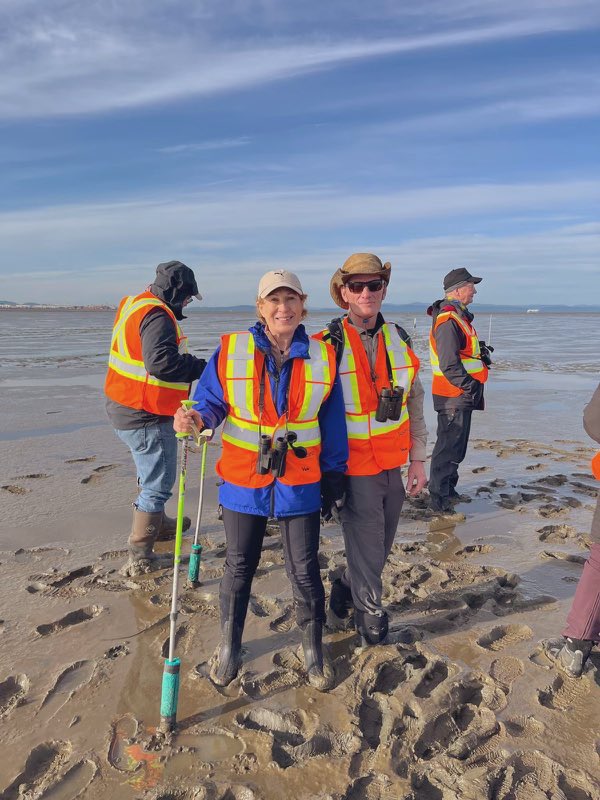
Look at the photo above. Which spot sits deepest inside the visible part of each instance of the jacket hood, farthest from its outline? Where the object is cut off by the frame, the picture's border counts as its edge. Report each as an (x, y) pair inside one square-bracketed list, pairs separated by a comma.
[(174, 283), (449, 305)]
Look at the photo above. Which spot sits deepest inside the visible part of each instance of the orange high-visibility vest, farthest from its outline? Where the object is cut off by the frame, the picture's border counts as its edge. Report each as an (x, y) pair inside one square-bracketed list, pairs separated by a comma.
[(596, 466), (127, 380), (375, 446), (241, 366), (470, 356)]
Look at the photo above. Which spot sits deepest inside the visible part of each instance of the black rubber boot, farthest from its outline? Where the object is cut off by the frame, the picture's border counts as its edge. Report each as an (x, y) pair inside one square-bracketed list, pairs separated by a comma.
[(228, 656), (319, 669), (373, 628), (340, 612)]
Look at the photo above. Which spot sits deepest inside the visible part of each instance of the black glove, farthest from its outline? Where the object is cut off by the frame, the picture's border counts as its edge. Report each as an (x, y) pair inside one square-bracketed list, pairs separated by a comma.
[(333, 495), (485, 352)]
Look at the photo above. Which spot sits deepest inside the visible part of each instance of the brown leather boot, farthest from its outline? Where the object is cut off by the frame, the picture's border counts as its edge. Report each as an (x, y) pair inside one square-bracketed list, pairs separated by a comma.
[(168, 528), (144, 532)]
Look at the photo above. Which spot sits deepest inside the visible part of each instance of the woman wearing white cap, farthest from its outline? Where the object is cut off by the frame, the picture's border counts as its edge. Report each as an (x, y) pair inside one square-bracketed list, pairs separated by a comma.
[(284, 435)]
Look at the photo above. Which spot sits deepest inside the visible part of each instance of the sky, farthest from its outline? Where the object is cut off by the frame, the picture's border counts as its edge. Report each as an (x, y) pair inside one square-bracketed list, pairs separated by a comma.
[(240, 136)]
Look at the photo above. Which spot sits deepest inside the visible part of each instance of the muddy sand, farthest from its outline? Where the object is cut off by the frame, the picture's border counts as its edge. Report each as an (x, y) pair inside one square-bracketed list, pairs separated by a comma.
[(462, 705)]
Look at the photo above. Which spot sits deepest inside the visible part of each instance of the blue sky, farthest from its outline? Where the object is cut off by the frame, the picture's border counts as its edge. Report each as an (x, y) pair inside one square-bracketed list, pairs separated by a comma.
[(242, 136)]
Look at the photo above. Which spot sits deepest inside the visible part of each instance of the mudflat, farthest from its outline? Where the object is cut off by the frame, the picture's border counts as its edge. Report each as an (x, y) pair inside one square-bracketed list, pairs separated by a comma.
[(461, 704)]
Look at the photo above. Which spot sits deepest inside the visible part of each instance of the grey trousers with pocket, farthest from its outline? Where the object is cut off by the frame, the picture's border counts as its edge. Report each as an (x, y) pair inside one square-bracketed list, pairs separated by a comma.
[(369, 521)]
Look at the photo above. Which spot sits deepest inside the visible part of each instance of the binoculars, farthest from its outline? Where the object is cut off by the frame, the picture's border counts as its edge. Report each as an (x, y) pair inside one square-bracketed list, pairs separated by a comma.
[(484, 351), (389, 405), (272, 455)]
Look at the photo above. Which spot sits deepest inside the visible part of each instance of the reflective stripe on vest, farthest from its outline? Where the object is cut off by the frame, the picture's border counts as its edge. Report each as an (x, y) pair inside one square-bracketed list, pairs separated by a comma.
[(360, 419), (128, 381), (470, 357), (239, 370)]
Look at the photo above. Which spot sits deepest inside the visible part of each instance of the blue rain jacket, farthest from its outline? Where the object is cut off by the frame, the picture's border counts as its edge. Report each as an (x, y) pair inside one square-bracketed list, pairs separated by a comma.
[(277, 499)]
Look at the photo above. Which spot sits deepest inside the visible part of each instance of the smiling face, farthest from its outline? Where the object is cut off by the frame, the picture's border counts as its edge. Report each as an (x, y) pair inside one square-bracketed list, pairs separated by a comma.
[(282, 311), (364, 304)]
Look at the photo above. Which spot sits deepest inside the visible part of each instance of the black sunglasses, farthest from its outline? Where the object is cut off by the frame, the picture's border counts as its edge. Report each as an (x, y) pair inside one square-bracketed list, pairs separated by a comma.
[(356, 287)]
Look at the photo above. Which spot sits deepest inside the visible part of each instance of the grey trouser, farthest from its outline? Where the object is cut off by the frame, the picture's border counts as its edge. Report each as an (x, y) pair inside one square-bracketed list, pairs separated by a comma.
[(369, 521), (583, 621)]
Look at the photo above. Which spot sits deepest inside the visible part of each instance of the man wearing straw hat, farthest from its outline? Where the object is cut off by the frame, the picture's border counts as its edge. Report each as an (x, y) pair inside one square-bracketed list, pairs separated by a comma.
[(383, 397)]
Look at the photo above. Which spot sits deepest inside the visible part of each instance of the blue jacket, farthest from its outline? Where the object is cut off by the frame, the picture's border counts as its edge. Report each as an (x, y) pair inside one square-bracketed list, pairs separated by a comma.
[(277, 499)]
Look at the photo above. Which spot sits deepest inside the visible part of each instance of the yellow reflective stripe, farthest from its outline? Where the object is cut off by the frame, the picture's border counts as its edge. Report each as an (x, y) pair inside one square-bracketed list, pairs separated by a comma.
[(239, 374), (362, 426), (403, 372), (130, 307), (348, 377), (133, 370), (317, 379)]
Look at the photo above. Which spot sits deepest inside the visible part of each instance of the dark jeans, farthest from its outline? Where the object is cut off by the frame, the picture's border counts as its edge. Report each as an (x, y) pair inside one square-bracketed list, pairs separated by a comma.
[(583, 621), (450, 449), (244, 534), (369, 521)]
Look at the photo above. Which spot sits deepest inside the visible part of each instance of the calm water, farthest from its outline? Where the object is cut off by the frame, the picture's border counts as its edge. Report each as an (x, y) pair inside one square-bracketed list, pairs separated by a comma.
[(78, 342)]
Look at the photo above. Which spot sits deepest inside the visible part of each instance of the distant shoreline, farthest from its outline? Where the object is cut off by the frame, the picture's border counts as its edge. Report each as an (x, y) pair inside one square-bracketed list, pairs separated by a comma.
[(57, 308)]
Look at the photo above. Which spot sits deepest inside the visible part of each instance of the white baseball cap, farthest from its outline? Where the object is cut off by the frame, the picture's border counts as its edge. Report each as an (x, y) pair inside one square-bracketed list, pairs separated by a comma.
[(278, 279)]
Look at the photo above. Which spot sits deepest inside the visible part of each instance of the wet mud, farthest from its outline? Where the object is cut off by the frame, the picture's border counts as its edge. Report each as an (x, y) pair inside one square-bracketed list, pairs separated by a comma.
[(460, 704)]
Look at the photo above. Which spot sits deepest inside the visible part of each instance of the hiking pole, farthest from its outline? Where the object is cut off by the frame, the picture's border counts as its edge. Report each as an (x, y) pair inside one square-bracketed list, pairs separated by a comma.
[(170, 681), (195, 555)]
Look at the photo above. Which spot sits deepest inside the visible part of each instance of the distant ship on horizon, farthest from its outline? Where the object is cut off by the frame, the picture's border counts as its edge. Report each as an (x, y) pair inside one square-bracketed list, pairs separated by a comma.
[(533, 310)]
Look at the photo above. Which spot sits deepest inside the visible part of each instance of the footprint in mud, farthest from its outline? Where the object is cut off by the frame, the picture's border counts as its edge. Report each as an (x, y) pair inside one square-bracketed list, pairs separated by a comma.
[(524, 725), (475, 548), (98, 472), (560, 556), (72, 618), (284, 622), (262, 606), (66, 685), (51, 582), (80, 460), (476, 470), (74, 782), (33, 476), (42, 767), (531, 775), (12, 489), (584, 488), (532, 467), (503, 636), (456, 732), (549, 510), (432, 678), (557, 533), (127, 754), (180, 634), (12, 693), (505, 670), (553, 480), (288, 672), (563, 693), (118, 651)]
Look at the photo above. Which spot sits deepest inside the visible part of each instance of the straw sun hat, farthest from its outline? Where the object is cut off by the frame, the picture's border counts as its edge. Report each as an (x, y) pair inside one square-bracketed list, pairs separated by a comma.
[(357, 264)]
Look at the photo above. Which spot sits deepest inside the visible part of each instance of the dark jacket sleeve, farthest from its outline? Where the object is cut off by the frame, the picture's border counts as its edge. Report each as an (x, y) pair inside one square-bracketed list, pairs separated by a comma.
[(591, 416), (450, 340), (161, 354)]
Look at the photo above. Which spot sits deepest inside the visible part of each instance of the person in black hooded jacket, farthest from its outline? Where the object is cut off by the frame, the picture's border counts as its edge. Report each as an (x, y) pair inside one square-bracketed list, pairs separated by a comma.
[(149, 373)]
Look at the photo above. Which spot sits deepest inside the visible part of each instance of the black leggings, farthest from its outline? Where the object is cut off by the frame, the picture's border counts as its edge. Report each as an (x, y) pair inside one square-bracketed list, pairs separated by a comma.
[(244, 534)]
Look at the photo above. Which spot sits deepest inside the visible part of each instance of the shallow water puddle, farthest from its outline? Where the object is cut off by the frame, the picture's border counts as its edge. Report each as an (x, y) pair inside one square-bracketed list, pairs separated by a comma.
[(148, 768)]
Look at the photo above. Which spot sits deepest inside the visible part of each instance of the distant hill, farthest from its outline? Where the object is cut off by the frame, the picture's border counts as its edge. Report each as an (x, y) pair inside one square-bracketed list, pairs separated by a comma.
[(421, 308)]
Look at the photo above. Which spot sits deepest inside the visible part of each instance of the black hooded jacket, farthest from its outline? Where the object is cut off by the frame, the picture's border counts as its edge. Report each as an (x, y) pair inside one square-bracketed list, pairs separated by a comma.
[(160, 351), (449, 341)]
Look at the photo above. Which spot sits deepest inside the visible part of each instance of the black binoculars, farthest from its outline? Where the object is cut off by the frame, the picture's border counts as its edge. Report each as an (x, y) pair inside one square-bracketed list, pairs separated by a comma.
[(484, 351), (272, 456), (389, 405)]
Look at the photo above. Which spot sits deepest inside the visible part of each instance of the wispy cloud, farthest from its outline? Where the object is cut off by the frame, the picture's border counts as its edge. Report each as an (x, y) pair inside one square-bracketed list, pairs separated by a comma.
[(198, 147), (250, 232), (69, 59)]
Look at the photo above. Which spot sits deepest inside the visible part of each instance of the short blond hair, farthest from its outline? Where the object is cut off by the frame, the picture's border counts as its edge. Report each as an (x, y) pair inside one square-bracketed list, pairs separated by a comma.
[(260, 301)]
